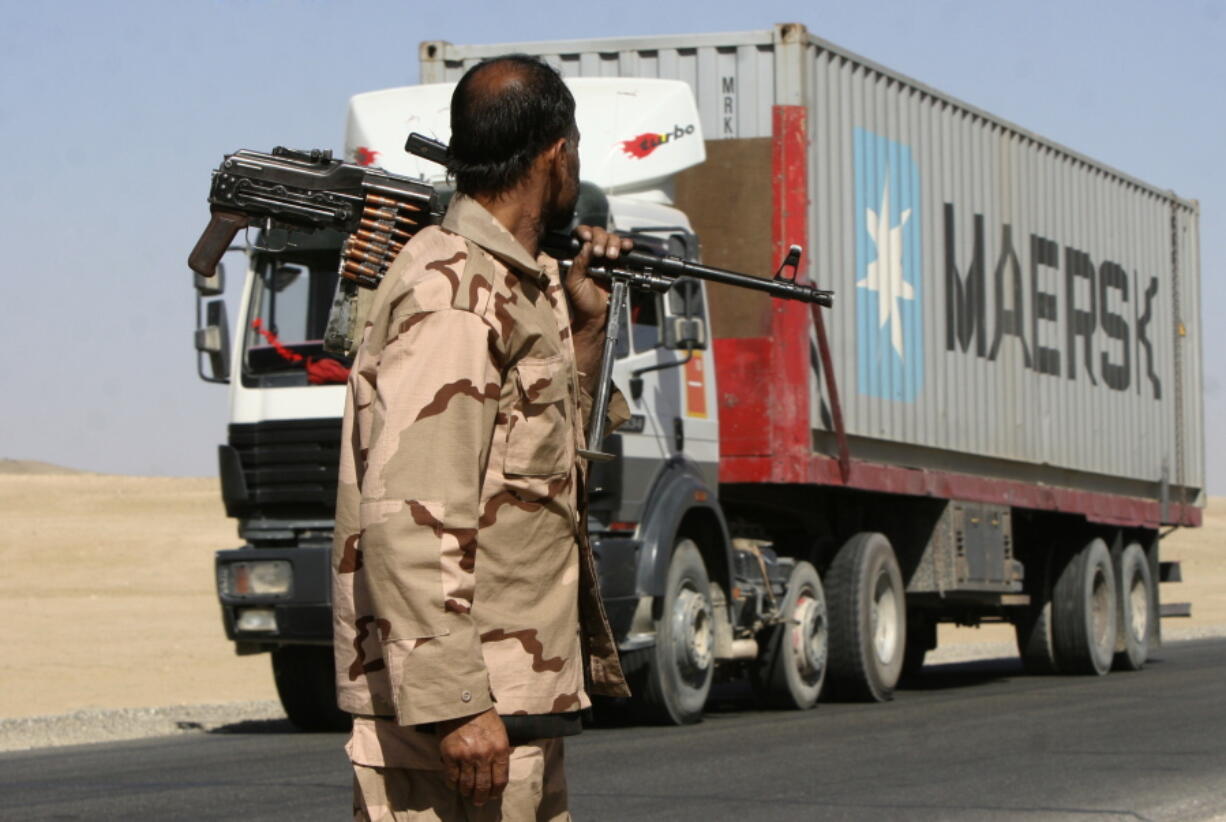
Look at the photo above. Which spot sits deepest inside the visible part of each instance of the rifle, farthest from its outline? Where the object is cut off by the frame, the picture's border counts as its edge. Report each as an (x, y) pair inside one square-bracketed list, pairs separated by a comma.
[(308, 191), (655, 272)]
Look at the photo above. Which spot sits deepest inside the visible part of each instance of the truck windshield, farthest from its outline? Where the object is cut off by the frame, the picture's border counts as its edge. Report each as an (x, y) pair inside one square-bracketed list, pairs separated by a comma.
[(291, 295)]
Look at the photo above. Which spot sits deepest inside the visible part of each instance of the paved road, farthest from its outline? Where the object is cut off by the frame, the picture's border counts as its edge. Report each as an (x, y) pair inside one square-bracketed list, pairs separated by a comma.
[(974, 741)]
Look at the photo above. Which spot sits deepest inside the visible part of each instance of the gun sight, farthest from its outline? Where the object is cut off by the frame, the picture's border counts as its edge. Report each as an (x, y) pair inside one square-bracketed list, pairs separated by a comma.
[(315, 155), (426, 148)]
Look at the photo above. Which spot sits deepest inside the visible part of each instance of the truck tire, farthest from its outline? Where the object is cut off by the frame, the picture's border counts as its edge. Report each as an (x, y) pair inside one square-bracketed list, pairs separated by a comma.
[(306, 682), (670, 680), (1083, 611), (868, 619), (1033, 627), (791, 668), (1137, 612)]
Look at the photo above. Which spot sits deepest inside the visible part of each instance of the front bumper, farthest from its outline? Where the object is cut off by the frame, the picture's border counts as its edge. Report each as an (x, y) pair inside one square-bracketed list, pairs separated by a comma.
[(303, 615)]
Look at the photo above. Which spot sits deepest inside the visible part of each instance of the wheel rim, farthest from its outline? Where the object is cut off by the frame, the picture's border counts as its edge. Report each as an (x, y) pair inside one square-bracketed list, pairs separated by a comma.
[(1100, 609), (1139, 601), (692, 631), (885, 619), (808, 637)]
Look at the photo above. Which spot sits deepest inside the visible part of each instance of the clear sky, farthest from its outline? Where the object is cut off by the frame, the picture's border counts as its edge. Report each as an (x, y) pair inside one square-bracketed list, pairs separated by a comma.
[(112, 114)]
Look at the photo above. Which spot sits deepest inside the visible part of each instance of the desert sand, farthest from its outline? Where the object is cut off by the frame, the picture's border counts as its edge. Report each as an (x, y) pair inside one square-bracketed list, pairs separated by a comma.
[(107, 597)]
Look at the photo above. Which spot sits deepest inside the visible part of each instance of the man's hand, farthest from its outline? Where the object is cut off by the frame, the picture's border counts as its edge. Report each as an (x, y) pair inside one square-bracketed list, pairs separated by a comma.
[(476, 755), (589, 302)]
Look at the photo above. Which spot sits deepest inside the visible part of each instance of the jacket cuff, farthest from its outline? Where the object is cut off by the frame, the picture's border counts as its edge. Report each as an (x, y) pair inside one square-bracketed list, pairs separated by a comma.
[(431, 682)]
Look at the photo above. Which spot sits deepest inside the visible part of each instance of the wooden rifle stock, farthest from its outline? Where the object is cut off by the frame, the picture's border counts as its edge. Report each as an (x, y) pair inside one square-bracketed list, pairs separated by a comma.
[(217, 236)]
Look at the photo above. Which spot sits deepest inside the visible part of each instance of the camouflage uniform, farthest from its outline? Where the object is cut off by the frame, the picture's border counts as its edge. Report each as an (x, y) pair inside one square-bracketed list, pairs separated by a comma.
[(463, 578), (417, 791)]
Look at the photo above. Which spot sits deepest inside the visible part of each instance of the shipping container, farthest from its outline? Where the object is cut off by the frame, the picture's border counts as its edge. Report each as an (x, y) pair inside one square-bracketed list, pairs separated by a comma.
[(1015, 322)]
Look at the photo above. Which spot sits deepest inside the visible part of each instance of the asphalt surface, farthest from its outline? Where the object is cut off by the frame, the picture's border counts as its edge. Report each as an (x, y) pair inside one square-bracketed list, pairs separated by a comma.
[(971, 741)]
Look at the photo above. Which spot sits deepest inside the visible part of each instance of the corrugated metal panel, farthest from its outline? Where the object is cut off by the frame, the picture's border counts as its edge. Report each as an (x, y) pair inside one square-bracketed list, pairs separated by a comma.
[(977, 393), (919, 367), (733, 76)]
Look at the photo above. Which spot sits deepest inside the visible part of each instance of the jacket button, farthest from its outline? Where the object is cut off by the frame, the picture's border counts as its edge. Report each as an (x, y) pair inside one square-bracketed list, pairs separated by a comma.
[(466, 696)]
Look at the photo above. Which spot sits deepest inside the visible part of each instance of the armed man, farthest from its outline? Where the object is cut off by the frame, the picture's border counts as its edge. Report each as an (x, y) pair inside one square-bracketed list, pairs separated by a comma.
[(469, 630)]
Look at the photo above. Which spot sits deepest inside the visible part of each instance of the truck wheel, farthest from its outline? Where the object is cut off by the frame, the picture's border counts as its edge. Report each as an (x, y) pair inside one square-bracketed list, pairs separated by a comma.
[(673, 683), (1033, 628), (792, 667), (868, 619), (1083, 612), (306, 682), (1137, 612)]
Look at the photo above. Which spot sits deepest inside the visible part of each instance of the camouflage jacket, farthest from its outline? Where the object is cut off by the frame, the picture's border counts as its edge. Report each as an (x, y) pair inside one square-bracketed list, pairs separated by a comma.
[(463, 578)]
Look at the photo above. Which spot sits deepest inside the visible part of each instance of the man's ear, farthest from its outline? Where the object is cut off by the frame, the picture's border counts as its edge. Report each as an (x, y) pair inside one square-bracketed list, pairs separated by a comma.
[(556, 155)]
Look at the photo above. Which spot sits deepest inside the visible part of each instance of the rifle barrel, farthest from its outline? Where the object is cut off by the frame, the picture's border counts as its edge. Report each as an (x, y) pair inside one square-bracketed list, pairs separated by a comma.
[(566, 247)]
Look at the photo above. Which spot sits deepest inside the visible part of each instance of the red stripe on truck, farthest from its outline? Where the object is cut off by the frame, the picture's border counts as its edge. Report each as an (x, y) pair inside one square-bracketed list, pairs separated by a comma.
[(1111, 509), (789, 408)]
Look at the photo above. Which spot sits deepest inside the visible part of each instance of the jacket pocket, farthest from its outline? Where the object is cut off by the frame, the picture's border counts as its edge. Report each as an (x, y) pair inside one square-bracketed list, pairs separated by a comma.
[(540, 438)]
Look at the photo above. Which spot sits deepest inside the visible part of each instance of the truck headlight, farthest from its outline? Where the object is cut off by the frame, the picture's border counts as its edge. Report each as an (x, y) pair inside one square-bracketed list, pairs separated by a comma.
[(256, 619), (274, 577)]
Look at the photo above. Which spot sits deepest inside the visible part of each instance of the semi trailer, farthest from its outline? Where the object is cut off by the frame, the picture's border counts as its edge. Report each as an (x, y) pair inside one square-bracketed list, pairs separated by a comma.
[(997, 421)]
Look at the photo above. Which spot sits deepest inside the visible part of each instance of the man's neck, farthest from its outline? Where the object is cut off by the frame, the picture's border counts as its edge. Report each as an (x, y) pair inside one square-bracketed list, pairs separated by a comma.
[(519, 213)]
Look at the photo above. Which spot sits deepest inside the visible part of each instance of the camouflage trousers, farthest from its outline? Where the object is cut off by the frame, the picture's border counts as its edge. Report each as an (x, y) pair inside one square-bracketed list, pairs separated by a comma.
[(535, 792)]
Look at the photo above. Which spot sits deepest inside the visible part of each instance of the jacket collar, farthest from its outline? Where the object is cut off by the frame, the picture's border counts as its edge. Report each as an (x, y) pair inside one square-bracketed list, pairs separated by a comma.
[(471, 220)]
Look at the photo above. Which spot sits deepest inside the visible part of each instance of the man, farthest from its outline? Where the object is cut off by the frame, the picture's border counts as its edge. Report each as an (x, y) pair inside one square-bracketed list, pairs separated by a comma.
[(466, 612)]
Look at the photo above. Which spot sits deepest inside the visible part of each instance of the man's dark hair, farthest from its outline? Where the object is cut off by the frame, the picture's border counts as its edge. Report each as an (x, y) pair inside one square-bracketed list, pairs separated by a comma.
[(505, 111)]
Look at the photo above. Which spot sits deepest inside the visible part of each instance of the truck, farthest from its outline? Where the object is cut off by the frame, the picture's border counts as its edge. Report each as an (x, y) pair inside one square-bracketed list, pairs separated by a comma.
[(998, 421)]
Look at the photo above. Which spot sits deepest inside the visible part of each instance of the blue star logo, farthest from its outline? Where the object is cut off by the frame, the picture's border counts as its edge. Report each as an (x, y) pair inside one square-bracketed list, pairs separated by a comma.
[(889, 275)]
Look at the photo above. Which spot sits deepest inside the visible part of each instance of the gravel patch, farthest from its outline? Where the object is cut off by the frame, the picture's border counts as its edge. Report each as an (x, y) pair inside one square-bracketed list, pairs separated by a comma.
[(970, 651), (1178, 633), (117, 724)]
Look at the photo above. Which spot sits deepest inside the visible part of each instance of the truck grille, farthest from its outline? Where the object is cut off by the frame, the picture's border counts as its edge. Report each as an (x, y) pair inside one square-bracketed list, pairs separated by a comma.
[(286, 467)]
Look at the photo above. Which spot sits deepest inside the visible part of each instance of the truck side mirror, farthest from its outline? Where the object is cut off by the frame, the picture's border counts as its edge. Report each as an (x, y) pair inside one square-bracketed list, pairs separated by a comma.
[(686, 333), (213, 341), (211, 286)]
